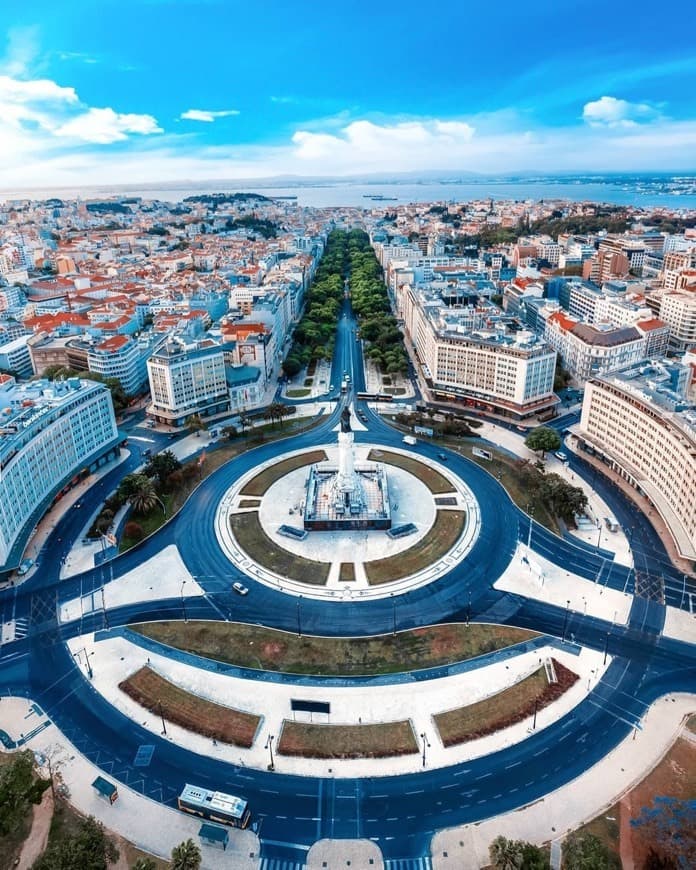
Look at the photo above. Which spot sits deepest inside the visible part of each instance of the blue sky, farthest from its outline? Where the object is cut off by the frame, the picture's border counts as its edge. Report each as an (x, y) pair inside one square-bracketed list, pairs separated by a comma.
[(130, 91)]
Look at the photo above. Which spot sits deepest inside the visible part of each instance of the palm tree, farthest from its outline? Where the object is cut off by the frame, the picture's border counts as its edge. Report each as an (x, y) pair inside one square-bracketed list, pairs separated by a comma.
[(505, 854), (144, 498), (244, 420), (144, 864), (186, 856), (195, 424)]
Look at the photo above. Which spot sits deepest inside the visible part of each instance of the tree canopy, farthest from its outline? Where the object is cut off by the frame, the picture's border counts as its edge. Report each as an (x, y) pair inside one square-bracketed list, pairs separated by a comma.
[(669, 825), (88, 849), (517, 855), (186, 856), (543, 439), (19, 789), (587, 852)]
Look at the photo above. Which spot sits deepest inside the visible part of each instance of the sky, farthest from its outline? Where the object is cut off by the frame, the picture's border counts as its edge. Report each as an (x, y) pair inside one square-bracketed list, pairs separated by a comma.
[(138, 91)]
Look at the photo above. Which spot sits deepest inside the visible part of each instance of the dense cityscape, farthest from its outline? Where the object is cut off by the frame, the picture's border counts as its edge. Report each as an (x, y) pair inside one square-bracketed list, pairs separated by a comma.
[(140, 339), (347, 436)]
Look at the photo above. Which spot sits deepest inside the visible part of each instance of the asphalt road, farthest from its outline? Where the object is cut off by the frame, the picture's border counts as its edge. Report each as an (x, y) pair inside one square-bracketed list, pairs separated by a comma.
[(399, 813)]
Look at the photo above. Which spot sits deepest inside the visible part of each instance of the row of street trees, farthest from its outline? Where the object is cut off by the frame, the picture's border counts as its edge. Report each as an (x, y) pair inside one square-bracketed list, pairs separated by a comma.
[(314, 336), (370, 300)]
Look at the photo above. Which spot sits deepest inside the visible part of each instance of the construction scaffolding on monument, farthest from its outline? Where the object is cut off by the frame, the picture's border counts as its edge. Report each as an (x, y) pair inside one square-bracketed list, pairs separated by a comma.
[(347, 495)]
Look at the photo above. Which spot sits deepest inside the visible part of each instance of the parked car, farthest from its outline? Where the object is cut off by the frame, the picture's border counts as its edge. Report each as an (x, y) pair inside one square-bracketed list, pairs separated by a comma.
[(240, 589), (25, 566), (561, 456)]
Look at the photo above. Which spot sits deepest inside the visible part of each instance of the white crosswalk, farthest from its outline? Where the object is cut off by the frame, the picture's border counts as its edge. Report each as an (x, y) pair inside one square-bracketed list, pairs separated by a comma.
[(423, 863), (279, 864)]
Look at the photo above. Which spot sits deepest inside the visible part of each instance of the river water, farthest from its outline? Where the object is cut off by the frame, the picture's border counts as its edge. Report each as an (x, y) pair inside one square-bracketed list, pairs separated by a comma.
[(351, 193)]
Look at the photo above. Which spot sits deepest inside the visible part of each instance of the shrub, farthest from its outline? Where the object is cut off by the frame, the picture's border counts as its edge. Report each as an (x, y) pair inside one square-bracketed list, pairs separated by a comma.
[(134, 531)]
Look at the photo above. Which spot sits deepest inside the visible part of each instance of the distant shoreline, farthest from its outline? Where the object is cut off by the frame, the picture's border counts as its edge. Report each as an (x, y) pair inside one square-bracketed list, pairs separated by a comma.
[(677, 192)]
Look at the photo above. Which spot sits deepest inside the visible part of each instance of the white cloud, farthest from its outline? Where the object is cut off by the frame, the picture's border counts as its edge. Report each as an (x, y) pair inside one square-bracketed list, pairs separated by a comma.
[(369, 147), (36, 91), (612, 112), (205, 115), (103, 126)]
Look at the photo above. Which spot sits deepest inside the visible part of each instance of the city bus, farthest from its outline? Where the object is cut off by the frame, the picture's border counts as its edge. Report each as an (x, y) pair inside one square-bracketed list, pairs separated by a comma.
[(215, 806), (375, 397)]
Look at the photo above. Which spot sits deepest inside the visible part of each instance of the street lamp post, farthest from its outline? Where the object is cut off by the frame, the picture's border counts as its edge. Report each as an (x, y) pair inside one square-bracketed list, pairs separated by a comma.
[(468, 609), (161, 712), (565, 619), (88, 666), (425, 743), (599, 537), (606, 647), (183, 602), (536, 707), (269, 747)]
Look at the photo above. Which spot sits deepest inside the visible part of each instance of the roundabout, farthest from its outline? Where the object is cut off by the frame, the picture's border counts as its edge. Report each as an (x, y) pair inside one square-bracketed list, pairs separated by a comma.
[(250, 529), (81, 625)]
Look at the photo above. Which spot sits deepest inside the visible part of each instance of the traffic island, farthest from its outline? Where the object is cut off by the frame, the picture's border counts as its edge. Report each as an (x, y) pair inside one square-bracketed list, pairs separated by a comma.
[(437, 483), (191, 712), (262, 482), (379, 740), (268, 649), (521, 701)]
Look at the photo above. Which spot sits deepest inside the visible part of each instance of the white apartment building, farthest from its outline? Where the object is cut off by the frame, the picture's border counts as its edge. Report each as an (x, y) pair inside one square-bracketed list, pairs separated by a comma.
[(119, 357), (678, 310), (50, 434), (619, 311), (588, 351), (15, 357), (465, 356), (637, 421), (187, 379)]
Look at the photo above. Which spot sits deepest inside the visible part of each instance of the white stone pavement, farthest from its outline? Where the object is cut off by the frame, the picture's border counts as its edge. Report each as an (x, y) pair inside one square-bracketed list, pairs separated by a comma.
[(148, 824), (114, 659), (531, 575), (162, 576)]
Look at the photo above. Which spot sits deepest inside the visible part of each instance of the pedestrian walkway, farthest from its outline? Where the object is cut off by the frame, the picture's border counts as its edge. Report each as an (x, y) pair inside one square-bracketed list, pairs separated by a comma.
[(533, 576), (51, 518), (641, 502), (566, 809), (148, 824), (160, 577), (597, 508)]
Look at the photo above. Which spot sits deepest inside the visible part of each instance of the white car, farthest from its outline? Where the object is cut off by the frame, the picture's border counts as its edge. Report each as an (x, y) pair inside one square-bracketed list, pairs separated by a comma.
[(561, 456), (240, 589)]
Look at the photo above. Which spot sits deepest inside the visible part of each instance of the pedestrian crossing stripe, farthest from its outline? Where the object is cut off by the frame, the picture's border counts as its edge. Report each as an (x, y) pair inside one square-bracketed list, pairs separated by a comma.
[(423, 863), (280, 864)]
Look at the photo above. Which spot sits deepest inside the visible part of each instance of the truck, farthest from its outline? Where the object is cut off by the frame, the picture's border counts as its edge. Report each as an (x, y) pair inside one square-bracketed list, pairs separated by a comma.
[(409, 439)]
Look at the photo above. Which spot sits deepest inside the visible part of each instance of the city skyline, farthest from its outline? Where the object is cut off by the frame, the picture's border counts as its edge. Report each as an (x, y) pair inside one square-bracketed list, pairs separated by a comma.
[(161, 90)]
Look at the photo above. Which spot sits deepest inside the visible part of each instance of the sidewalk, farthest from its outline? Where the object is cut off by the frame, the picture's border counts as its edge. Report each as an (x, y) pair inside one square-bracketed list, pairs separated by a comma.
[(597, 508), (50, 519), (562, 811), (533, 576), (146, 823)]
